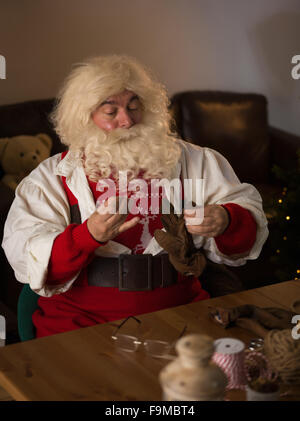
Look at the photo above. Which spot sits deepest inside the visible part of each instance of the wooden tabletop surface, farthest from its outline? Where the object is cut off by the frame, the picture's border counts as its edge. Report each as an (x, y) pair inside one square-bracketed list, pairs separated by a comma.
[(85, 364)]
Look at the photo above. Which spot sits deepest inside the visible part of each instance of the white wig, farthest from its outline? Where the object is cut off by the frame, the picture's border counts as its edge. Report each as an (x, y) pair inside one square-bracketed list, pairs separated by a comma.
[(148, 145), (92, 82)]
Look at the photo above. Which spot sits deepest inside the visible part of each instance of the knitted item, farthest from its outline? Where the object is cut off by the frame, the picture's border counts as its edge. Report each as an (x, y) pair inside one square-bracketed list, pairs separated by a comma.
[(258, 320), (179, 244)]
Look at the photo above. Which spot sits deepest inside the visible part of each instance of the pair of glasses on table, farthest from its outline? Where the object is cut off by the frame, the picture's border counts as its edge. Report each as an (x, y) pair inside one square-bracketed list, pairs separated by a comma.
[(153, 347)]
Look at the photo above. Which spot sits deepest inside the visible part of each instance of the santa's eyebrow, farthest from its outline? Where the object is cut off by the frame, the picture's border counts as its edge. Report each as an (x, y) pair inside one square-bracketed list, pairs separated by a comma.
[(134, 98), (112, 102)]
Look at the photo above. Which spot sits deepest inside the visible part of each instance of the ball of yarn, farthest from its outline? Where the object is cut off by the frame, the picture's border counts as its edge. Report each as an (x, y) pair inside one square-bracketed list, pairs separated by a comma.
[(283, 353)]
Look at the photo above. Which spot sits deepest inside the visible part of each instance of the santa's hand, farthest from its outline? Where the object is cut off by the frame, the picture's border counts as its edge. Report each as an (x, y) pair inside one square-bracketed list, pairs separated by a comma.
[(215, 222), (105, 225)]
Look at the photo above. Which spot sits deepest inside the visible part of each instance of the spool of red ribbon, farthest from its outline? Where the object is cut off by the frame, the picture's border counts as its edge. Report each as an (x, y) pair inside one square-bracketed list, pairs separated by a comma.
[(229, 356)]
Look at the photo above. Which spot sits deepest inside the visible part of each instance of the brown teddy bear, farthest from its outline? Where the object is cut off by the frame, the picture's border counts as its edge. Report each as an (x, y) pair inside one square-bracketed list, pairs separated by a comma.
[(19, 155)]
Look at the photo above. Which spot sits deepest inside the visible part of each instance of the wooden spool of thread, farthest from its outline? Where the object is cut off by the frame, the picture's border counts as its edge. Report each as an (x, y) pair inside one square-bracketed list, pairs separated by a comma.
[(283, 353)]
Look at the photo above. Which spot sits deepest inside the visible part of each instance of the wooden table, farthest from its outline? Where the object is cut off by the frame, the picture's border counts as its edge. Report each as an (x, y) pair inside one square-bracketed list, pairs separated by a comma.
[(85, 365)]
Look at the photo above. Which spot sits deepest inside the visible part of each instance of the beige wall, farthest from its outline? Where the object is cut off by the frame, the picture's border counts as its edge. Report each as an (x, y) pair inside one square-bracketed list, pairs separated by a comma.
[(237, 45)]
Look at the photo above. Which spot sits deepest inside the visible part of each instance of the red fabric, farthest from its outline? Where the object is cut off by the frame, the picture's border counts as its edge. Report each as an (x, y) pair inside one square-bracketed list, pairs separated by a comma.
[(84, 305), (240, 235), (72, 250)]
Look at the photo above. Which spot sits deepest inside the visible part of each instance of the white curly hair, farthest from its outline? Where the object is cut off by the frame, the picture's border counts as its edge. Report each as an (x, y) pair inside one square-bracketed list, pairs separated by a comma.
[(148, 146)]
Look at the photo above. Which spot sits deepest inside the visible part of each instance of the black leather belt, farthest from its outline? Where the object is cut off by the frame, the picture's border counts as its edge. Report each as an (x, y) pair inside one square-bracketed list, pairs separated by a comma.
[(140, 272)]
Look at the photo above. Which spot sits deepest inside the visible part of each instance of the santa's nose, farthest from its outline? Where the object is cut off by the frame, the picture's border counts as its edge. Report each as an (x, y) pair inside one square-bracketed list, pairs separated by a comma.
[(125, 121)]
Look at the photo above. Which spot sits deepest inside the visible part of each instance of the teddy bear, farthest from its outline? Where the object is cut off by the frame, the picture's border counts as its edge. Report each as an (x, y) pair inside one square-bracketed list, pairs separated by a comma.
[(19, 155)]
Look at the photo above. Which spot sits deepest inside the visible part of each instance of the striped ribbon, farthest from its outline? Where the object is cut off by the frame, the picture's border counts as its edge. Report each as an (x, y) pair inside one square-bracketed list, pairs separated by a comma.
[(229, 356)]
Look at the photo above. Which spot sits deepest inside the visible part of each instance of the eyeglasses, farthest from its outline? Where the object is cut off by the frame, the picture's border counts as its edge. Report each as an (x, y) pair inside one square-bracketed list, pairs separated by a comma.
[(155, 348)]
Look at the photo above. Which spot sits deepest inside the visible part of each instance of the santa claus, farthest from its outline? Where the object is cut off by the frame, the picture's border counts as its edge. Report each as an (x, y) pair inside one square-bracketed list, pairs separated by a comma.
[(90, 265)]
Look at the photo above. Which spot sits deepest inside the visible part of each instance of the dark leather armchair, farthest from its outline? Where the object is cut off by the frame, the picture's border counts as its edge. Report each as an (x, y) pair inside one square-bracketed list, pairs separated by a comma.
[(236, 125)]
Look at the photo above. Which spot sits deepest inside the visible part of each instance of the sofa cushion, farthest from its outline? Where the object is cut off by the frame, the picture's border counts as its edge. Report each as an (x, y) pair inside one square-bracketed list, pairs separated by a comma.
[(234, 124), (29, 118)]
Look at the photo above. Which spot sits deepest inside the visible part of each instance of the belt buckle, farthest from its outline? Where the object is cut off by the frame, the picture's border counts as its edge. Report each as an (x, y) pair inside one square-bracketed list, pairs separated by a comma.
[(148, 281)]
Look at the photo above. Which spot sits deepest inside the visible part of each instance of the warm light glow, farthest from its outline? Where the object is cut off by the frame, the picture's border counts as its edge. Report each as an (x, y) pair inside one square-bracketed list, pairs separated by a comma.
[(280, 201), (298, 270), (285, 237), (288, 217), (277, 251)]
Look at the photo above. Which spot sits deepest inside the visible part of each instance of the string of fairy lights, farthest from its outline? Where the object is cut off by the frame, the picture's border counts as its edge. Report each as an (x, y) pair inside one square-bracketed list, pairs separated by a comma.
[(287, 218)]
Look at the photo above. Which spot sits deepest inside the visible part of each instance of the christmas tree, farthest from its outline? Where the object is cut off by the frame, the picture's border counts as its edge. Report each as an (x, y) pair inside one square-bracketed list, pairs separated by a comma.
[(285, 225)]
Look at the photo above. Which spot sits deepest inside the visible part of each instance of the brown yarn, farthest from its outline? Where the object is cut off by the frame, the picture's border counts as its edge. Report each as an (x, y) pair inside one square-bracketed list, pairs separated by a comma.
[(283, 353)]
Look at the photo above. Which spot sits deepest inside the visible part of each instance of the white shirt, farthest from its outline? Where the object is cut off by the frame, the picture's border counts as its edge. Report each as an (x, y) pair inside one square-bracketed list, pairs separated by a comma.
[(40, 212)]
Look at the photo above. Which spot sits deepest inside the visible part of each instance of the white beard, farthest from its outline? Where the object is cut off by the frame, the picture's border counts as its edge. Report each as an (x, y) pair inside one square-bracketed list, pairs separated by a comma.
[(140, 148)]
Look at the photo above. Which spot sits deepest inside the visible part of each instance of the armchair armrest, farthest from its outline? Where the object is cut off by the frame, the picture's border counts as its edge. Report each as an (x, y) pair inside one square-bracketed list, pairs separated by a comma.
[(283, 148)]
